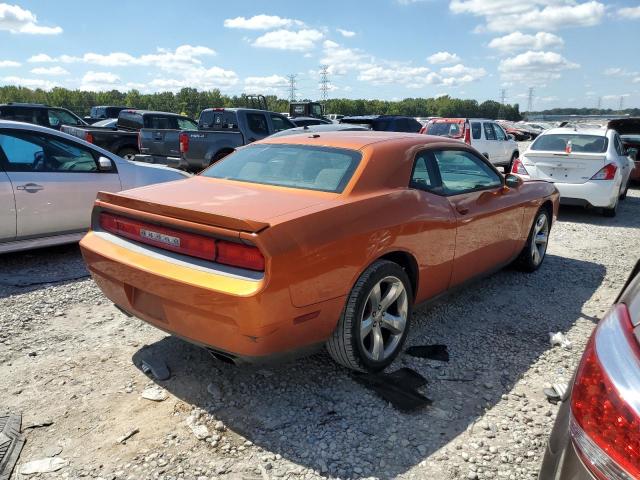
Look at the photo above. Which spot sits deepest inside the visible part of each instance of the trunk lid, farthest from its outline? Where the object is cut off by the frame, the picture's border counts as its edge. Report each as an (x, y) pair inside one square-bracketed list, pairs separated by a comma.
[(565, 167), (214, 202), (160, 142)]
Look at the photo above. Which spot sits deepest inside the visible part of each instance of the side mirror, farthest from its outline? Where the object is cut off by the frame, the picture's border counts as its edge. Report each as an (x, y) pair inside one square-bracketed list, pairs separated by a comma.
[(512, 181), (104, 164), (510, 137)]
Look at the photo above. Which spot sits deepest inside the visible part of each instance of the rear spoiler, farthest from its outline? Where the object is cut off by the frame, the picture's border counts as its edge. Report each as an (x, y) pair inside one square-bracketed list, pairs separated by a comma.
[(128, 205)]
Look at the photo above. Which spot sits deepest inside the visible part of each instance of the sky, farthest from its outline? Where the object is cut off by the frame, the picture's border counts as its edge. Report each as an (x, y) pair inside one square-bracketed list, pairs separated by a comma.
[(572, 53)]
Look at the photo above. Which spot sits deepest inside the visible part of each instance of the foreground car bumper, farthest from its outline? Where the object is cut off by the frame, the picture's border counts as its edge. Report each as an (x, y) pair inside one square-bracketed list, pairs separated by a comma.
[(597, 193), (237, 316)]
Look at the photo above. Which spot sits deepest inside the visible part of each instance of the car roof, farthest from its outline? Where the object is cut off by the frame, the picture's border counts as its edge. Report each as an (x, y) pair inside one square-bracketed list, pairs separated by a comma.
[(356, 140), (155, 112), (459, 119), (320, 128)]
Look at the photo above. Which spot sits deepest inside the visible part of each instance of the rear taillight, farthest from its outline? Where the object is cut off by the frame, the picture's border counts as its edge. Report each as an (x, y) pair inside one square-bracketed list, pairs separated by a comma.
[(184, 143), (186, 243), (568, 147), (467, 134), (139, 142), (88, 137), (605, 405), (518, 167), (239, 255), (423, 130), (608, 172)]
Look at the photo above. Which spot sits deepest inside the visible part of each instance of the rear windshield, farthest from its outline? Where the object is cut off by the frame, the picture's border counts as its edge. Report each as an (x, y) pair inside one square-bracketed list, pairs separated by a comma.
[(296, 166), (446, 129), (579, 143)]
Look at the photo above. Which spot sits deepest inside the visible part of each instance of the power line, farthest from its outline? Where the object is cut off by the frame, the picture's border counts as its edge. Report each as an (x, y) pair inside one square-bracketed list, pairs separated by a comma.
[(530, 102), (292, 87), (324, 82)]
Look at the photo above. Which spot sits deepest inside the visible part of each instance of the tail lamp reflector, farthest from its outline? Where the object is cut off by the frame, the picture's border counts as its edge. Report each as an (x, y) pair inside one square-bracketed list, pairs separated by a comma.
[(608, 172), (518, 167), (605, 405)]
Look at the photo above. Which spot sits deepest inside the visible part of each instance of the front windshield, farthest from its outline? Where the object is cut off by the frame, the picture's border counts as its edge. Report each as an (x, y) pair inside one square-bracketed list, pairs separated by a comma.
[(296, 166)]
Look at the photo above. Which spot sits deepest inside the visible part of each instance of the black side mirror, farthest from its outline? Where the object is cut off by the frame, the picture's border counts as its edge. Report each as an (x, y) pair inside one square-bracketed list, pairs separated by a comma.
[(512, 181)]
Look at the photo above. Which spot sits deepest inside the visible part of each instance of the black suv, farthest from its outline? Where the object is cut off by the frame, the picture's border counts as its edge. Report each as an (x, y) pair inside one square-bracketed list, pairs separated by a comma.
[(386, 123), (40, 114)]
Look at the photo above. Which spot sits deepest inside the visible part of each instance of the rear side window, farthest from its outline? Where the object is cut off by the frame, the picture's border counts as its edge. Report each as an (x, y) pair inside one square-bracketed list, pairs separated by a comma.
[(446, 129), (489, 132), (186, 124), (28, 115), (476, 130), (500, 135), (296, 166), (425, 174), (128, 119), (579, 143), (161, 122)]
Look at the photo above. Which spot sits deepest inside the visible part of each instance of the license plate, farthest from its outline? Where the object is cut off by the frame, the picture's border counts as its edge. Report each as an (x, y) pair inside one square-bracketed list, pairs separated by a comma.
[(160, 237)]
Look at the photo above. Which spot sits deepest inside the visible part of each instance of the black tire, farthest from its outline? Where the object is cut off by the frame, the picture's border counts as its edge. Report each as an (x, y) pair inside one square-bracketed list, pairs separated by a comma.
[(623, 195), (611, 212), (526, 261), (218, 156), (345, 345), (130, 152)]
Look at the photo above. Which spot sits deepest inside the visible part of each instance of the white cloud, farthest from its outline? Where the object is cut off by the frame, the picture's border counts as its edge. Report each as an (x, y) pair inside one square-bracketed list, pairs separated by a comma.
[(50, 71), (629, 12), (272, 84), (346, 33), (506, 15), (9, 63), (261, 22), (289, 40), (534, 68), (30, 82), (99, 80), (455, 75), (615, 97), (19, 20), (41, 58), (619, 72), (519, 41), (397, 74), (443, 57), (197, 77), (341, 60)]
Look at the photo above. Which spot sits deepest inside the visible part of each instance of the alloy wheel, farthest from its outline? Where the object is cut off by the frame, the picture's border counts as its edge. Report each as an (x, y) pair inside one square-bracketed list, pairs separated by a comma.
[(540, 239), (384, 319)]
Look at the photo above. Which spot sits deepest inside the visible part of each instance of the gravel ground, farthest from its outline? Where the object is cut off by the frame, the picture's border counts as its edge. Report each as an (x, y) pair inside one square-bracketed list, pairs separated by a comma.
[(67, 356)]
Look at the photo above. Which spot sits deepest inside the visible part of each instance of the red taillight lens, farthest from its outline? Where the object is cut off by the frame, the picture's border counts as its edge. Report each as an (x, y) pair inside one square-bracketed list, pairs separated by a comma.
[(88, 137), (184, 143), (168, 239), (518, 167), (608, 172), (139, 142), (239, 255), (423, 130), (467, 134), (605, 404)]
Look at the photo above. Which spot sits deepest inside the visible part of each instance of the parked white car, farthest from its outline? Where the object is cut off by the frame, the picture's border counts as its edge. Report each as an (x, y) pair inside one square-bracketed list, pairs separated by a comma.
[(484, 135), (589, 167), (49, 181)]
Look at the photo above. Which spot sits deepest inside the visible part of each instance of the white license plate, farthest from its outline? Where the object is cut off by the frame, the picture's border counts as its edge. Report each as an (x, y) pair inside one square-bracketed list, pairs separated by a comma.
[(160, 237)]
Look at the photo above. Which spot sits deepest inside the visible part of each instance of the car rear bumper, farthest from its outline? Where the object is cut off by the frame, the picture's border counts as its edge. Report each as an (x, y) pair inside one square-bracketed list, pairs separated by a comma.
[(175, 162), (240, 317), (597, 193)]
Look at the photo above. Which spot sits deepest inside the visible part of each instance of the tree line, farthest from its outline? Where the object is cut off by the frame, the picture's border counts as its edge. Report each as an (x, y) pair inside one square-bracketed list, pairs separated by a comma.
[(190, 101)]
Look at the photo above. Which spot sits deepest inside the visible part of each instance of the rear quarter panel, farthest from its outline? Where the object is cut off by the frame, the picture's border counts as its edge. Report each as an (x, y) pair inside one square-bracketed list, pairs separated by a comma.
[(535, 193)]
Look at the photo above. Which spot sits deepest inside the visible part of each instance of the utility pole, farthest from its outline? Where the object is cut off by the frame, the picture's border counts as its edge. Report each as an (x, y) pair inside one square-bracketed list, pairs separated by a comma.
[(292, 87), (324, 82), (530, 102)]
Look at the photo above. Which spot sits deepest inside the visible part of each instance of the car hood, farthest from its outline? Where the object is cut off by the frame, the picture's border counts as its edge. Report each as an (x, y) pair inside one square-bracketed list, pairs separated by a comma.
[(218, 202), (625, 126)]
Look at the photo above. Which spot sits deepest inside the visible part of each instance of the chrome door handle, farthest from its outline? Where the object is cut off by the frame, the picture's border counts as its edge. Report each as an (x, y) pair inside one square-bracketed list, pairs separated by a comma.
[(30, 187)]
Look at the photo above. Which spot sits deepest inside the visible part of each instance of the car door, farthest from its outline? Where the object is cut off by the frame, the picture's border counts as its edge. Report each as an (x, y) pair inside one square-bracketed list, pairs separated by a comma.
[(502, 146), (257, 126), (54, 180), (491, 142), (488, 214), (7, 209), (624, 162)]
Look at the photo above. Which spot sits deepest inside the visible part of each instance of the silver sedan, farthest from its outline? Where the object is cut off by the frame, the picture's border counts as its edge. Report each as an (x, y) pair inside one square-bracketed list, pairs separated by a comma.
[(49, 181)]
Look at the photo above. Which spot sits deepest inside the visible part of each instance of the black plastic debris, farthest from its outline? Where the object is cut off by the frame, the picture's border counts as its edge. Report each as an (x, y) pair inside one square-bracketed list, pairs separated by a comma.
[(11, 443), (432, 352), (398, 388), (156, 367)]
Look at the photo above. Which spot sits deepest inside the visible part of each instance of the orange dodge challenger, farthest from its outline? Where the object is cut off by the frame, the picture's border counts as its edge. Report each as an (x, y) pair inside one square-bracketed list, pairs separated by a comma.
[(300, 241)]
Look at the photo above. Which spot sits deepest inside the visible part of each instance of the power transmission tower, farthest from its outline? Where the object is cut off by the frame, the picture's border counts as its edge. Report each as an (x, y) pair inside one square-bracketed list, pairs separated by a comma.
[(503, 95), (599, 103), (324, 82), (621, 107), (292, 87), (530, 102)]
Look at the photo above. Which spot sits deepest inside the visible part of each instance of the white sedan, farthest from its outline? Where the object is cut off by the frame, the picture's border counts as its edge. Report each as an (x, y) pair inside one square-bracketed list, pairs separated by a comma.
[(49, 181), (589, 167)]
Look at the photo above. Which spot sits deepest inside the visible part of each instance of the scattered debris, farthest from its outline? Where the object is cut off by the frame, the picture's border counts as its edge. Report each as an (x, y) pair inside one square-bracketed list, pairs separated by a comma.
[(43, 465), (156, 367), (214, 391), (123, 439), (39, 424), (560, 339), (432, 352), (397, 388), (155, 393), (200, 431), (11, 443), (52, 451), (557, 393)]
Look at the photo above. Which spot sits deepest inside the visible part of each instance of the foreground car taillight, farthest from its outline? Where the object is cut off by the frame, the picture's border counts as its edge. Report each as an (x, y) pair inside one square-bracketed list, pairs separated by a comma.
[(186, 243), (518, 167), (605, 402), (608, 172), (88, 137)]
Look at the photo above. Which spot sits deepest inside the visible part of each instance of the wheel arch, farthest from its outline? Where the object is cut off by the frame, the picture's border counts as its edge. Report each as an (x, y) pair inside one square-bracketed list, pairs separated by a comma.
[(548, 206), (408, 263)]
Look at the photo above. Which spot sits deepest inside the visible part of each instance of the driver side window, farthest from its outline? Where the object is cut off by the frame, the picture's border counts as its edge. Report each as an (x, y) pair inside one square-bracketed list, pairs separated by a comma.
[(24, 152), (461, 172)]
